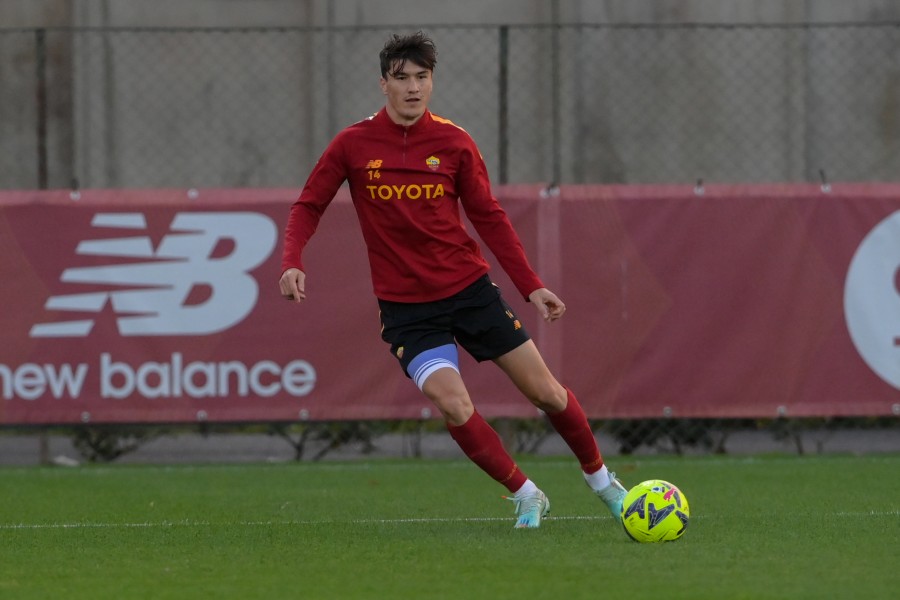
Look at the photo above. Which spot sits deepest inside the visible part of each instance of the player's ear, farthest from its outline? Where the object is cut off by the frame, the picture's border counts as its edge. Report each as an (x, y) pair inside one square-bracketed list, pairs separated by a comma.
[(383, 83)]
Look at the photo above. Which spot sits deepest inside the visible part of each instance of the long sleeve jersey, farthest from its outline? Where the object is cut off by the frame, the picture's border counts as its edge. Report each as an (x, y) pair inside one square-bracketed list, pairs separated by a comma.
[(407, 184)]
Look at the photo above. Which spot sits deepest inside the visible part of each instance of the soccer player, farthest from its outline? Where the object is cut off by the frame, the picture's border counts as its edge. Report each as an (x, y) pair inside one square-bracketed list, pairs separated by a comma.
[(409, 172)]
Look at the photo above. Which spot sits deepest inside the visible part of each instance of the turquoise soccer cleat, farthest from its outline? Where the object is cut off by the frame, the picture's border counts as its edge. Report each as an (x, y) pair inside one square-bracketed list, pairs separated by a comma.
[(613, 496), (531, 509)]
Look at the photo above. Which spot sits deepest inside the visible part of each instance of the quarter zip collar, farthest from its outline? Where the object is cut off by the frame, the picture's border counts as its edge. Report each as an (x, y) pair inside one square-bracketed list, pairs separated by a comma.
[(420, 125)]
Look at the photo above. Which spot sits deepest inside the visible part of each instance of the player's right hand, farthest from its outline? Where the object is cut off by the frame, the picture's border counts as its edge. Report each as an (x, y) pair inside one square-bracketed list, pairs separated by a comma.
[(293, 285)]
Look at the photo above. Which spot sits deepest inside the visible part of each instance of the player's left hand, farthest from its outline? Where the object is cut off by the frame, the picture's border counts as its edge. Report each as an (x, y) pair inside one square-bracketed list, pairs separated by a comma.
[(548, 304), (293, 285)]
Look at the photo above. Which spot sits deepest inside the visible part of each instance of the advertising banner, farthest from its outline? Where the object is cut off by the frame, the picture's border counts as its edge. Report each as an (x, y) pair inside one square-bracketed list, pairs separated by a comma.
[(162, 306)]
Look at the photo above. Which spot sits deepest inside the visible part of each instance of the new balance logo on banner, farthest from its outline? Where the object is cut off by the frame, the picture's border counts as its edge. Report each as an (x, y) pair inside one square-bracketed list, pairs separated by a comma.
[(149, 295)]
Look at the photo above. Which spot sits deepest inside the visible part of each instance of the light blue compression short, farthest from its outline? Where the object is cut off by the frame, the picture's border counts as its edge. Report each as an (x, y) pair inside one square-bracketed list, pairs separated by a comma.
[(429, 361)]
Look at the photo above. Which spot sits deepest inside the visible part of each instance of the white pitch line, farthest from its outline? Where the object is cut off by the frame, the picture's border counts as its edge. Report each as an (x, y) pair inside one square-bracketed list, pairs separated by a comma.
[(412, 520), (400, 521)]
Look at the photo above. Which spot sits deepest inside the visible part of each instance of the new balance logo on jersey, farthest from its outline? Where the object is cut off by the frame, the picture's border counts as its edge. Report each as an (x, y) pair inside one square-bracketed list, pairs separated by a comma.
[(149, 295)]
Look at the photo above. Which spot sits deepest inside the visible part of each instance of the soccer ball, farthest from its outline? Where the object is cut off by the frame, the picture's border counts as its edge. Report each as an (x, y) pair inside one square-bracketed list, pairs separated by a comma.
[(655, 511)]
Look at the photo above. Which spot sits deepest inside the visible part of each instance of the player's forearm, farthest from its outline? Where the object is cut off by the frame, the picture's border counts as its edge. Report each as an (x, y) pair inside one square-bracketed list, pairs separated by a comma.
[(302, 223), (503, 242)]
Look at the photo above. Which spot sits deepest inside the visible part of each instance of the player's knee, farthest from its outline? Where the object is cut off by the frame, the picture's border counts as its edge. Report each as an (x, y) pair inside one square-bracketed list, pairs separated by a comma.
[(456, 409), (450, 397), (549, 396), (436, 372)]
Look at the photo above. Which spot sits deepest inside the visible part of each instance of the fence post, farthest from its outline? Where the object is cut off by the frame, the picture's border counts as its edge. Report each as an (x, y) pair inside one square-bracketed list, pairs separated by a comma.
[(503, 93), (40, 93), (331, 82), (555, 94)]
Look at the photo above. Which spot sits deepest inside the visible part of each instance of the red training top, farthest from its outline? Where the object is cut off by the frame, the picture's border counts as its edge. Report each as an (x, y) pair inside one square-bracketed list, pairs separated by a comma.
[(407, 184)]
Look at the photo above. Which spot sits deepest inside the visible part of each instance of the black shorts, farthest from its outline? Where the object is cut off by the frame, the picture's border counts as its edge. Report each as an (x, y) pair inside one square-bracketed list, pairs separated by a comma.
[(477, 318)]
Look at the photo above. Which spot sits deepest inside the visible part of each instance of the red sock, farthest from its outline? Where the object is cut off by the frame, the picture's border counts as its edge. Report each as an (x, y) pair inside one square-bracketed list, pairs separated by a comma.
[(573, 426), (483, 447)]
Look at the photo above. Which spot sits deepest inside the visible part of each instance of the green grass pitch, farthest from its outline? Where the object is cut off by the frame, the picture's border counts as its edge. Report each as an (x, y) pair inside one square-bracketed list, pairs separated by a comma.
[(762, 527)]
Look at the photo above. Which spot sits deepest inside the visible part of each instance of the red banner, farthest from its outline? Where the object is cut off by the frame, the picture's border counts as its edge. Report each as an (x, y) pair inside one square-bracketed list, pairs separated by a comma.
[(162, 306)]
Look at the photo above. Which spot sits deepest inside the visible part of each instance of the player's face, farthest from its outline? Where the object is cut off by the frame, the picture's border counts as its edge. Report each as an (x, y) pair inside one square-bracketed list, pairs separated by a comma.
[(408, 91)]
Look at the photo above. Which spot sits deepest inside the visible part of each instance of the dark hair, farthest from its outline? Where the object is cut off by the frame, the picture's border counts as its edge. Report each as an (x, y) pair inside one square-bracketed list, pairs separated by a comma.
[(418, 48)]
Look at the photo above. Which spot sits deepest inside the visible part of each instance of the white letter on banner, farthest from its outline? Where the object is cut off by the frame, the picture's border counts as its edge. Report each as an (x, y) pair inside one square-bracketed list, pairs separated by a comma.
[(872, 299), (298, 378), (29, 381), (108, 370)]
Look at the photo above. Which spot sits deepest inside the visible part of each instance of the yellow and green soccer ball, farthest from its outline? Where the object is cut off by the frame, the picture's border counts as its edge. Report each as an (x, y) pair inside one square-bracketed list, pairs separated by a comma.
[(655, 511)]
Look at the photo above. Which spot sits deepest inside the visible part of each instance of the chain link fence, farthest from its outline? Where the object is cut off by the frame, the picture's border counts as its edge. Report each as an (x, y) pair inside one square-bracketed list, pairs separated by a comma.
[(107, 108), (568, 104)]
